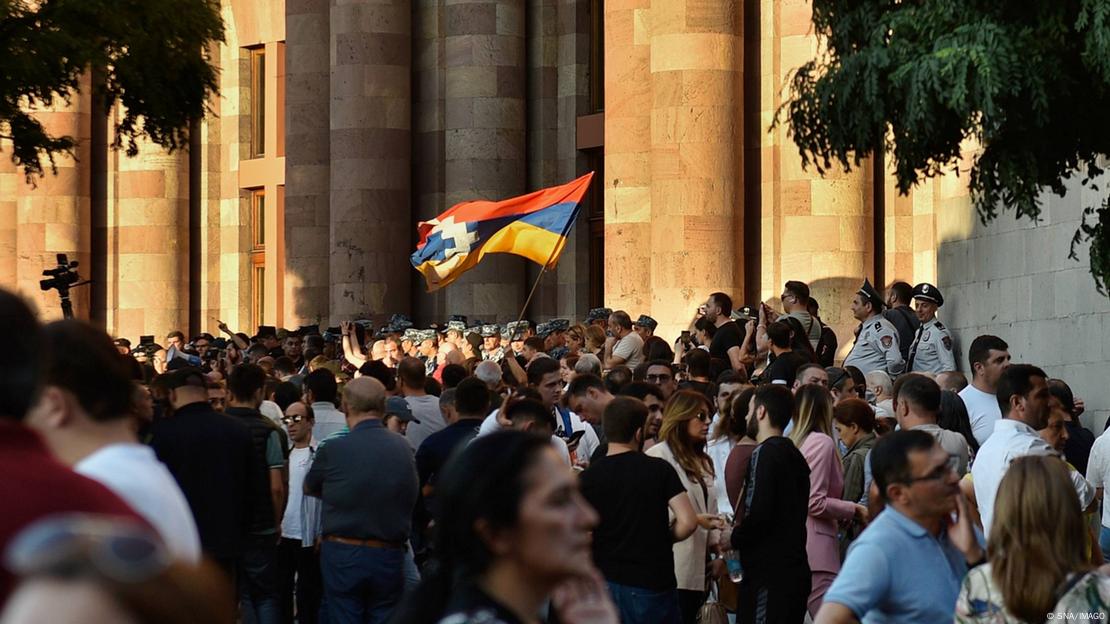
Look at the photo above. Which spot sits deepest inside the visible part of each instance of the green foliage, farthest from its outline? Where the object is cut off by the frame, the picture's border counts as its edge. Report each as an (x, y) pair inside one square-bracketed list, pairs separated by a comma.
[(153, 56), (1029, 81)]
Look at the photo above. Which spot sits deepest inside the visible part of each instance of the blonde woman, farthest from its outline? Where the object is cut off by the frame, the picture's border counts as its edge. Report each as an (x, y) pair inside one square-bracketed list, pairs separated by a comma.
[(813, 435), (1038, 565), (683, 434), (576, 339)]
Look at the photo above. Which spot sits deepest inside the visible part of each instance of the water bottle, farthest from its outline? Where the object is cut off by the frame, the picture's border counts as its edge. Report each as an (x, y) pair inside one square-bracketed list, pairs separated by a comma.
[(735, 570)]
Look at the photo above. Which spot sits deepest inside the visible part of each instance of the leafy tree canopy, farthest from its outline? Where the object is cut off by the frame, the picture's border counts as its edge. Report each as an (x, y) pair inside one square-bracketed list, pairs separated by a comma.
[(1029, 81), (152, 54)]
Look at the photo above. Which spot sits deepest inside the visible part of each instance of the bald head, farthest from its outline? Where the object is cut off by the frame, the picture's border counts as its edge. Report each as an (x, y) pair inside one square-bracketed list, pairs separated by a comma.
[(364, 397), (952, 380)]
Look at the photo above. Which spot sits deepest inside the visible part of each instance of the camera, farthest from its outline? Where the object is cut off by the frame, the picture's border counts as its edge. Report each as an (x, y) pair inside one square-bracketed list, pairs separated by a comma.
[(62, 278)]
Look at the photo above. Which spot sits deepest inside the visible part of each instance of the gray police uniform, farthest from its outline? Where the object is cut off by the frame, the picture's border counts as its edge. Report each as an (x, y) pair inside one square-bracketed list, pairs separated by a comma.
[(931, 351), (876, 348)]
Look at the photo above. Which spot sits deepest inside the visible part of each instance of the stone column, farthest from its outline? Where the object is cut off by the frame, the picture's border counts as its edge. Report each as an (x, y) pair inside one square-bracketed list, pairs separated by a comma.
[(815, 229), (628, 96), (485, 138), (696, 156), (149, 211), (428, 136), (370, 147), (307, 160), (53, 215), (9, 184)]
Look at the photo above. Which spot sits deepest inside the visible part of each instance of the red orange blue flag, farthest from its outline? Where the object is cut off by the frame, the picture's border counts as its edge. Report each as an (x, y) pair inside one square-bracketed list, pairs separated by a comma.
[(534, 226)]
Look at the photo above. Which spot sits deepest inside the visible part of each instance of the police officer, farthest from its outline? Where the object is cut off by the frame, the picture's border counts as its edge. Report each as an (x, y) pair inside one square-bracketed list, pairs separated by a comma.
[(645, 326), (599, 316), (876, 346), (556, 339), (491, 338), (932, 345)]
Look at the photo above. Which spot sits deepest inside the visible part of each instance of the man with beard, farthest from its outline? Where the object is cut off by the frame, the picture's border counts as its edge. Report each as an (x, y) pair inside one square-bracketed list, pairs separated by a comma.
[(653, 398)]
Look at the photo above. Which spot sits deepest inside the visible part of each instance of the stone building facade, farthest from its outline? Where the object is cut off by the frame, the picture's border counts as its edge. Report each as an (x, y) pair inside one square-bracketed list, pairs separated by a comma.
[(342, 123)]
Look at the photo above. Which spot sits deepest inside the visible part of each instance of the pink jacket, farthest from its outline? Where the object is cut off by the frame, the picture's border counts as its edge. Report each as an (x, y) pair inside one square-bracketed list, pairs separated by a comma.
[(826, 484)]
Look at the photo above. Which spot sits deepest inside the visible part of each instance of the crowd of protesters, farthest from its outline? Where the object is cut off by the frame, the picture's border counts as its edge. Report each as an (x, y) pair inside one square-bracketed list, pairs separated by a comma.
[(573, 473)]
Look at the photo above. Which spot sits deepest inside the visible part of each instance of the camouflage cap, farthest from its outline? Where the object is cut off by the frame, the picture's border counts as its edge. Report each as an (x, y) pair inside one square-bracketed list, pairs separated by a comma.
[(647, 321), (598, 314), (559, 325), (491, 330), (401, 322)]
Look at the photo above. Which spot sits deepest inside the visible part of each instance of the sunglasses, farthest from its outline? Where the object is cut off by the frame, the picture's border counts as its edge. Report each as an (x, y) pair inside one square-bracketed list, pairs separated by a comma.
[(940, 472), (702, 416), (293, 419)]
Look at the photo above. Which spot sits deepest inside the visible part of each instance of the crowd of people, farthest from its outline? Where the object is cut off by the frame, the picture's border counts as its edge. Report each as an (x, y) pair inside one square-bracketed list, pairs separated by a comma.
[(557, 472)]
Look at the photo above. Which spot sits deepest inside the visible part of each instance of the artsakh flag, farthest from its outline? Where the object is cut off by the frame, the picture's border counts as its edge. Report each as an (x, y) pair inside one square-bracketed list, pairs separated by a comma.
[(534, 226)]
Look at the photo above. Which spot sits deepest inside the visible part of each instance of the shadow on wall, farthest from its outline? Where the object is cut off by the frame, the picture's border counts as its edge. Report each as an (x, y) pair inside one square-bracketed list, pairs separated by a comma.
[(1013, 279)]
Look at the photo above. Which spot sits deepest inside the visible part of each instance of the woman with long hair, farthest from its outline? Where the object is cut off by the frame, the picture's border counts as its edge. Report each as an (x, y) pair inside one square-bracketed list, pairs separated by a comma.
[(512, 532), (595, 339), (685, 428), (576, 339), (1037, 559), (813, 435), (854, 421), (744, 431)]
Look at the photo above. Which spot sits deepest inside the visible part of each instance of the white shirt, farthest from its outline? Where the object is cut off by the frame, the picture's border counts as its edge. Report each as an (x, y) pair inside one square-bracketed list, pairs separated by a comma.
[(424, 408), (328, 420), (490, 425), (1012, 439), (982, 410), (270, 410), (133, 472), (718, 450), (1098, 472), (631, 348), (300, 460)]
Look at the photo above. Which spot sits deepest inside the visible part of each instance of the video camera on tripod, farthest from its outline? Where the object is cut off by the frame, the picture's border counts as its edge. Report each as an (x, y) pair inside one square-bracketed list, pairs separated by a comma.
[(62, 278)]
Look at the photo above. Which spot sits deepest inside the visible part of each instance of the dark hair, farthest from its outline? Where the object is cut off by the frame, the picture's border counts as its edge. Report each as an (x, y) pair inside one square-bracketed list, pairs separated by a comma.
[(837, 377), (738, 423), (540, 368), (617, 378), (431, 386), (778, 401), (729, 377), (1016, 379), (855, 412), (919, 390), (890, 457), (953, 417), (582, 383), (411, 373), (83, 361), (529, 409), (284, 364), (655, 348), (981, 347), (485, 483), (472, 397), (804, 368), (799, 290), (245, 380), (723, 301), (856, 375), (705, 325), (535, 342), (621, 318), (1059, 389), (622, 417), (321, 383), (697, 364), (378, 370), (452, 375), (286, 394), (641, 390), (779, 334), (670, 367), (903, 292), (176, 334)]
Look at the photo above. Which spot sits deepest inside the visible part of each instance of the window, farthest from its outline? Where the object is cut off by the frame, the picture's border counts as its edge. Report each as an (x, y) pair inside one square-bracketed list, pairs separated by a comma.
[(595, 211), (258, 256), (258, 101), (597, 56)]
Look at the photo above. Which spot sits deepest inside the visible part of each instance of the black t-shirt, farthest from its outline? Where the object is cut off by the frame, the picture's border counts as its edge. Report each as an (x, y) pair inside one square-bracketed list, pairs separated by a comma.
[(632, 541), (784, 369), (727, 337)]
